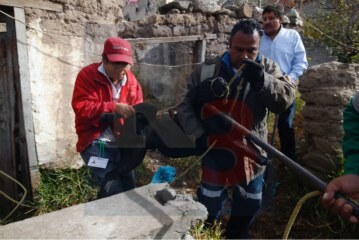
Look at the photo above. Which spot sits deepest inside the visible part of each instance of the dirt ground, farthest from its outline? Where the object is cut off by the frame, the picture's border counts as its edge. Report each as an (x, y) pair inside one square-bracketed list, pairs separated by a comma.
[(312, 222), (268, 224)]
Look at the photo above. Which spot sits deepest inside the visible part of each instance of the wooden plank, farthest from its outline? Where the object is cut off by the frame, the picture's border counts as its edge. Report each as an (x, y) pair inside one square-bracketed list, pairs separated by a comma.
[(172, 39), (7, 112), (203, 47), (200, 51), (24, 64), (40, 4), (28, 161)]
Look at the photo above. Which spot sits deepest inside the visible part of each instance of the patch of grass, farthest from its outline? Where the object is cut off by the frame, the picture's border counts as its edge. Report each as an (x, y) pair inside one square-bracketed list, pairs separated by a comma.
[(60, 188), (320, 224), (144, 172), (201, 231), (313, 220), (188, 170)]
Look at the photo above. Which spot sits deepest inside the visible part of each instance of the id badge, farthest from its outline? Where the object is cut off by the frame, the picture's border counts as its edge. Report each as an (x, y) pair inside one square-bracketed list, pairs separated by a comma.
[(97, 162)]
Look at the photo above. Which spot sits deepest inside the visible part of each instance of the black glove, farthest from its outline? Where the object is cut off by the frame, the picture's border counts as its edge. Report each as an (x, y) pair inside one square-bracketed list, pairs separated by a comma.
[(211, 89), (253, 73)]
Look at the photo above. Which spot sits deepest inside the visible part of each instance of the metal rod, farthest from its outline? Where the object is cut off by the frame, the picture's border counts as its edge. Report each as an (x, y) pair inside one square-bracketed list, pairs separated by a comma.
[(298, 169)]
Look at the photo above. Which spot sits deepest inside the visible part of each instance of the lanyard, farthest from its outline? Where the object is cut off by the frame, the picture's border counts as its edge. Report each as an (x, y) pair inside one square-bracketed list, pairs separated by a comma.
[(102, 148)]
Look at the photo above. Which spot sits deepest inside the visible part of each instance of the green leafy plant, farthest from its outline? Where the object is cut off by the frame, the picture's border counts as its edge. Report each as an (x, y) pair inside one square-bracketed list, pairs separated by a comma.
[(60, 188), (202, 231), (336, 23), (188, 170), (144, 172)]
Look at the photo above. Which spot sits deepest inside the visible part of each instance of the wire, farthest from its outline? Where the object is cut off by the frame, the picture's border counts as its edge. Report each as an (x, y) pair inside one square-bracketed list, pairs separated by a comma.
[(167, 66), (296, 210), (22, 199), (194, 163), (63, 42), (311, 25), (326, 35), (13, 200)]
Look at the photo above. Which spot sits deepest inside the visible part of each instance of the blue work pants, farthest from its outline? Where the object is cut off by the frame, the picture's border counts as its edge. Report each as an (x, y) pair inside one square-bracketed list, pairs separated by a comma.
[(246, 201)]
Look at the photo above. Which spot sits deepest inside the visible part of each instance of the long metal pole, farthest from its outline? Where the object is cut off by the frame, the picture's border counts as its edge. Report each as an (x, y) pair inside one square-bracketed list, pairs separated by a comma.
[(298, 169)]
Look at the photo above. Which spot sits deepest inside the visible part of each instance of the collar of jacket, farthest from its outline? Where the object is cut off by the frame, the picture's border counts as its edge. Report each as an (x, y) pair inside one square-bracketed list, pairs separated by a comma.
[(100, 77)]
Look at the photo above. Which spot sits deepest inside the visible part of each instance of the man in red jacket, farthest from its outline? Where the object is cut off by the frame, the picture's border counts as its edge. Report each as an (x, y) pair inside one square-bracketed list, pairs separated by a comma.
[(105, 87)]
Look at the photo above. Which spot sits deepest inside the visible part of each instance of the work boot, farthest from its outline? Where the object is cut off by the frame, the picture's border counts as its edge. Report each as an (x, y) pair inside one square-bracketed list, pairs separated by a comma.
[(238, 226)]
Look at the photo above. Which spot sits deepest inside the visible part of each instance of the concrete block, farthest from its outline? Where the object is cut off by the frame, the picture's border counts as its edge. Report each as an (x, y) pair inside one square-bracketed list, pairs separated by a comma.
[(133, 214)]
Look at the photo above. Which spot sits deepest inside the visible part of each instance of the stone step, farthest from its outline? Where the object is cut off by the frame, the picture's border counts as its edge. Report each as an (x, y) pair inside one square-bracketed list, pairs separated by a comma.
[(151, 211)]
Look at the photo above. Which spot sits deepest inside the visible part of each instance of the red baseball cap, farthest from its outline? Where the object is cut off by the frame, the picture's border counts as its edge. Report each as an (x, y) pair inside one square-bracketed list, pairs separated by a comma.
[(118, 50)]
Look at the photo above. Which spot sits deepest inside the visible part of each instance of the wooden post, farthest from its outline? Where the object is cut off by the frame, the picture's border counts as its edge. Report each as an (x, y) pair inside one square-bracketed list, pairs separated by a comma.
[(25, 90), (40, 4), (7, 114), (200, 53), (245, 11)]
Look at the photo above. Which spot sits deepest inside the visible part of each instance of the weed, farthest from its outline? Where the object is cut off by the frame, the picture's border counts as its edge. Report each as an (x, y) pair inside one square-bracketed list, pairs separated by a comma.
[(144, 172), (191, 177), (202, 231), (60, 188), (313, 220)]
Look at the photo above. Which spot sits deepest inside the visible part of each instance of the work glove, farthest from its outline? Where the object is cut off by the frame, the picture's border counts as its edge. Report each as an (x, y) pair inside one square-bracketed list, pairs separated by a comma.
[(254, 74), (211, 89), (164, 174)]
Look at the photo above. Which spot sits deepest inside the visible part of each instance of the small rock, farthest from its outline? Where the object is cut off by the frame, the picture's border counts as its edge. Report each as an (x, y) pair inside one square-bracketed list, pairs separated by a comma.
[(165, 195), (174, 10)]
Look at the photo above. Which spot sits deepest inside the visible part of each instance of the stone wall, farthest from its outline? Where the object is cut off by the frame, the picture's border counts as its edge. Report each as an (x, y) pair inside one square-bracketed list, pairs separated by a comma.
[(326, 90), (161, 67), (61, 43), (317, 52)]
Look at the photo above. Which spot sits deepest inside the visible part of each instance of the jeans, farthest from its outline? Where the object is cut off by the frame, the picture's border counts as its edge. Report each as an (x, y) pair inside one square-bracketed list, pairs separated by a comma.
[(113, 154), (245, 204), (286, 132)]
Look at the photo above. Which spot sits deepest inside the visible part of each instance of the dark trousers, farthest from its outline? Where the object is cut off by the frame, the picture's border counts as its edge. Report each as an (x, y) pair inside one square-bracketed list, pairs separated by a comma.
[(246, 200), (113, 154), (286, 132)]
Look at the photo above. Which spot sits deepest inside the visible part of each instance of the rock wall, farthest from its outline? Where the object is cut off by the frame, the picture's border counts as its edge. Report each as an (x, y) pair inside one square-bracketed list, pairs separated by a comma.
[(326, 90), (318, 53), (161, 67), (60, 44)]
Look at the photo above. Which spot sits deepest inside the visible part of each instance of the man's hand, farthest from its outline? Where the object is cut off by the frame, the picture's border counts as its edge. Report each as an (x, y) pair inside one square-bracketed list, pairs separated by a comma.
[(124, 110), (253, 73), (348, 185)]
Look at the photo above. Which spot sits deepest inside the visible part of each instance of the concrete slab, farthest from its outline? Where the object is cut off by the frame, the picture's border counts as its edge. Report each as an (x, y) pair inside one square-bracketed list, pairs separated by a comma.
[(133, 214)]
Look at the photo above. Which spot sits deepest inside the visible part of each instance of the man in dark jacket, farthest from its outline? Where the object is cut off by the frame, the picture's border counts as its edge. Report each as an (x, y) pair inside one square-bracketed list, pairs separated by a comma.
[(245, 85)]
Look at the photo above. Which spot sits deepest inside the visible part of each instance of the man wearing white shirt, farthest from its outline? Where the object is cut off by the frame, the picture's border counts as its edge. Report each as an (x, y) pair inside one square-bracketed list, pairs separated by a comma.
[(285, 47)]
